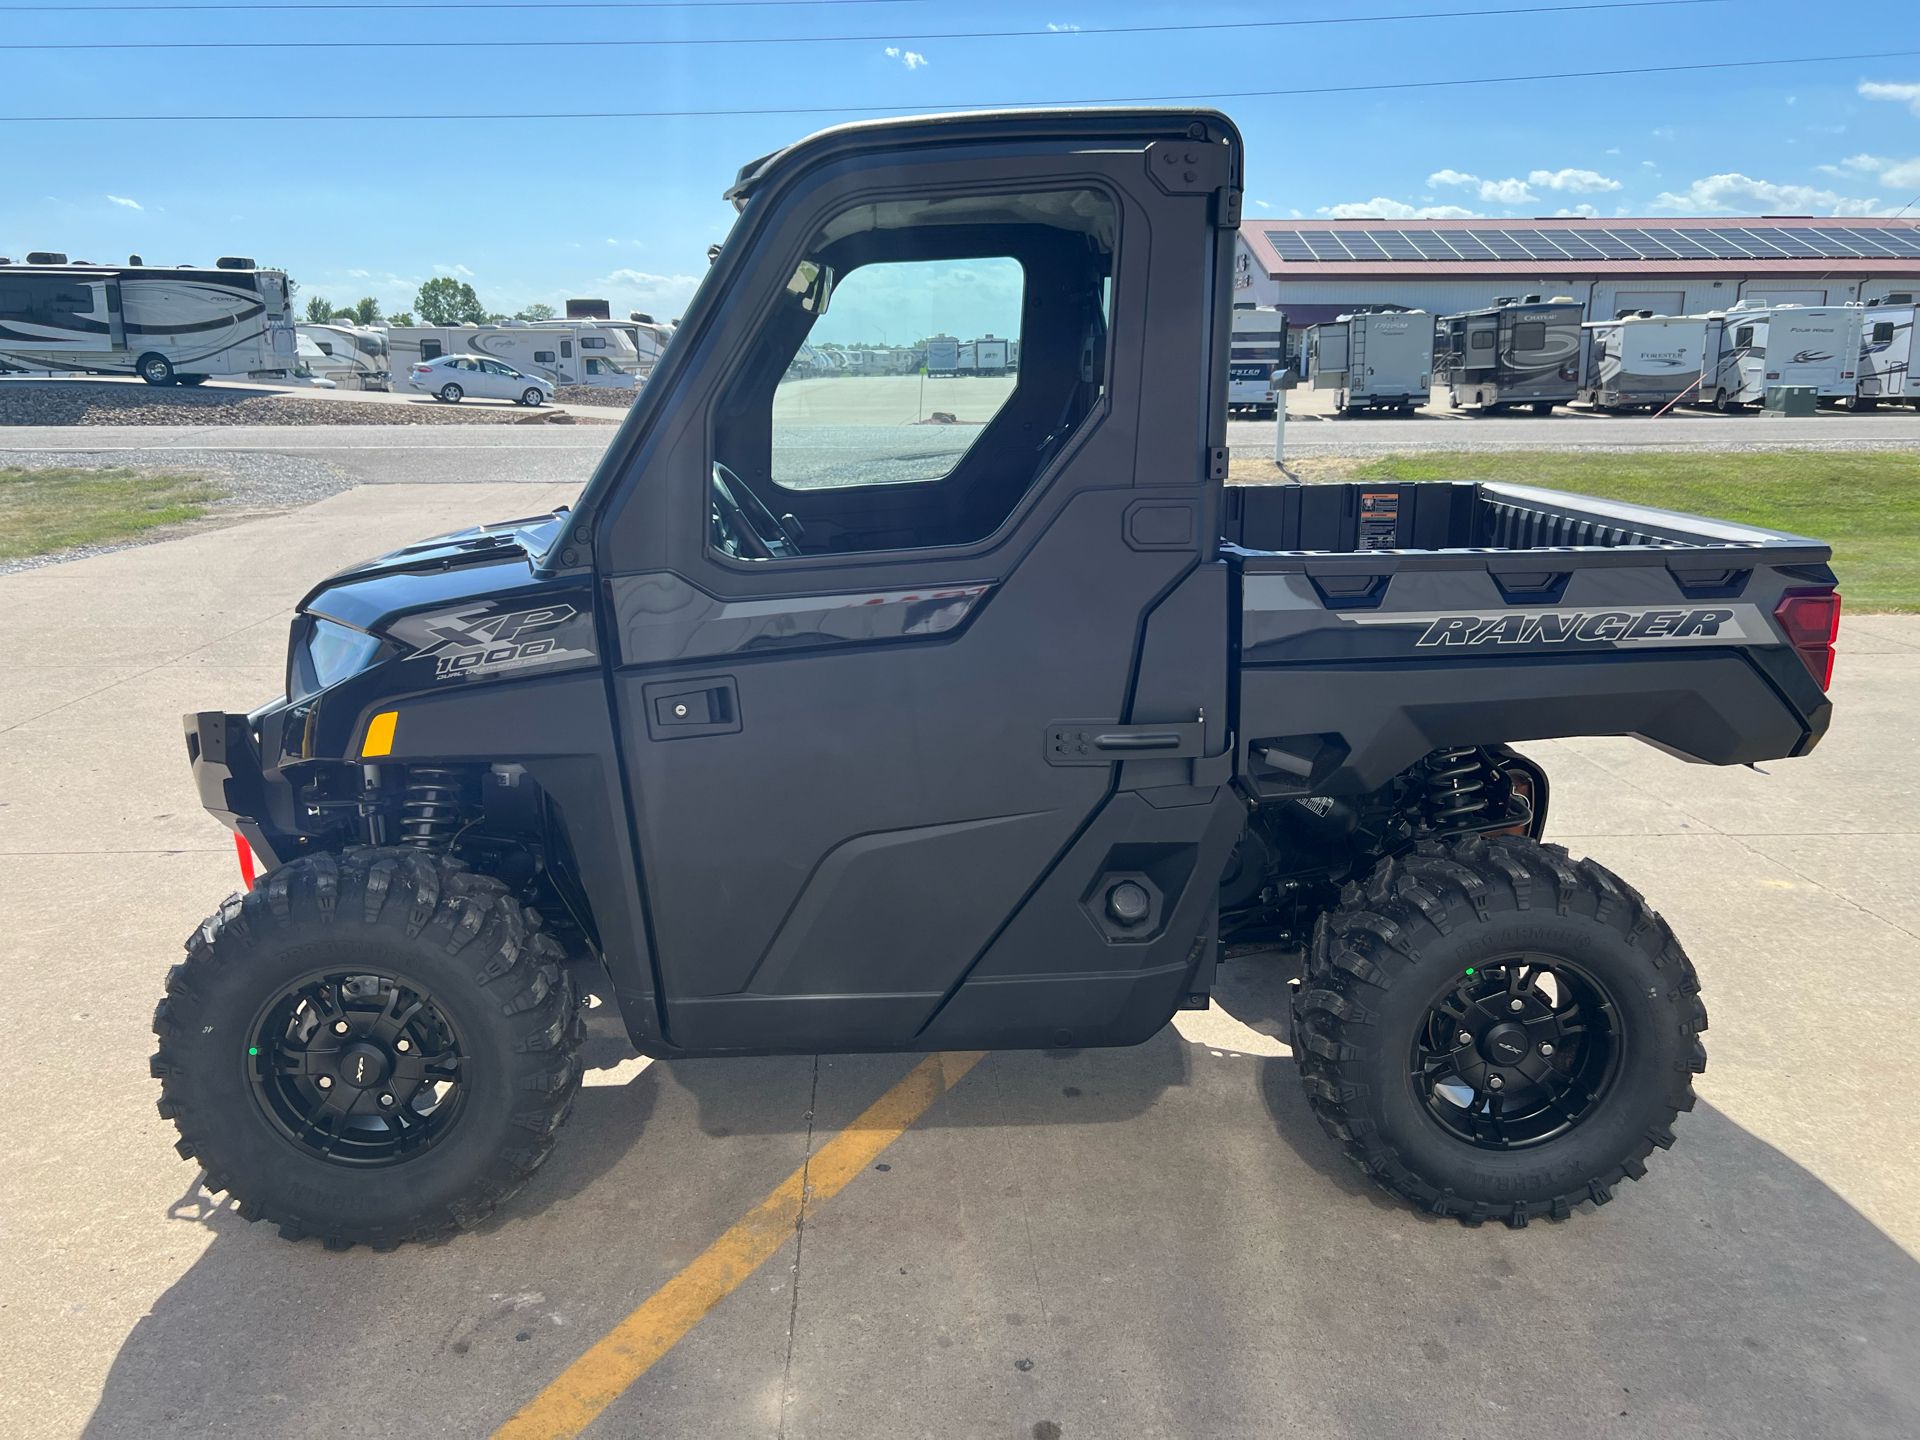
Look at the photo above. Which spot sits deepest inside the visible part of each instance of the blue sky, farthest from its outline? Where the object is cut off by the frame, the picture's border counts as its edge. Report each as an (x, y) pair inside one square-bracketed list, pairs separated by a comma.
[(543, 209)]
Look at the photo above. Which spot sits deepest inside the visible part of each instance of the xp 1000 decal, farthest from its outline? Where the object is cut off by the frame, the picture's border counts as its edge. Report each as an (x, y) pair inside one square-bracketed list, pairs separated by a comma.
[(481, 639)]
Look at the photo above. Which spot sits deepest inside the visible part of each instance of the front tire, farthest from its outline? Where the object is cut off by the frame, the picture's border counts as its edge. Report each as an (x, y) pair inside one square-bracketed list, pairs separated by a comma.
[(531, 397), (374, 1047), (1445, 1096), (155, 369)]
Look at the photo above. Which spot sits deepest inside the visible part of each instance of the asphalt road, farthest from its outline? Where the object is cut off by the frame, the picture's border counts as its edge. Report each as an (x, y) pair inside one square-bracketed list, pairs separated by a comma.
[(567, 454), (1146, 1242)]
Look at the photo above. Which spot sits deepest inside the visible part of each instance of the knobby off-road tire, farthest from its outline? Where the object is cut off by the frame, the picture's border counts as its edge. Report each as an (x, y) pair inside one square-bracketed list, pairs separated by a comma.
[(1402, 941), (499, 1000)]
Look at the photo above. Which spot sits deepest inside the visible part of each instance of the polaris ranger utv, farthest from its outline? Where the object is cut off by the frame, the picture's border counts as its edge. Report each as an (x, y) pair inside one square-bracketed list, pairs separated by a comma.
[(969, 736)]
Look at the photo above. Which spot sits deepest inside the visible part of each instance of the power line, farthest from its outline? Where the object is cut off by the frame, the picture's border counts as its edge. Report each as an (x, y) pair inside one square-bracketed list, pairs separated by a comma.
[(468, 5), (986, 105), (729, 40)]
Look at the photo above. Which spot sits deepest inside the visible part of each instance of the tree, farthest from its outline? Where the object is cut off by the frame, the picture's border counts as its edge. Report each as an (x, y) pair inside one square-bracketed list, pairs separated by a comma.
[(444, 300), (319, 310), (535, 311), (400, 317), (366, 311)]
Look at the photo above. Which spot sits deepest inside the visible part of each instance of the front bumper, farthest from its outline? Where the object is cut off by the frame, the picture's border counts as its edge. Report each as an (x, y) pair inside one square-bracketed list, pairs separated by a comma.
[(235, 788)]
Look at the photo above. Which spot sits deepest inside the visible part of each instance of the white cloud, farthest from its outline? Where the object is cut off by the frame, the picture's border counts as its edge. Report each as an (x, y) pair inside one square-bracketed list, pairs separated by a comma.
[(1579, 182), (1898, 173), (1733, 193), (1908, 95), (1577, 211), (1452, 177), (462, 271), (912, 59), (1057, 28), (1662, 132), (123, 200), (360, 274), (1382, 208), (1264, 204), (1613, 150), (1511, 191)]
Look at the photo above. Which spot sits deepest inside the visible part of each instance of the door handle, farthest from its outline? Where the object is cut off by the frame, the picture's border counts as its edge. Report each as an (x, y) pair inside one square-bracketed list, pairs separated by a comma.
[(680, 709)]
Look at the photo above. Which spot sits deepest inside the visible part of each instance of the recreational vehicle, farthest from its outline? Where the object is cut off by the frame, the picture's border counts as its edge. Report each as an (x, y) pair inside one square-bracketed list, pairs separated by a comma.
[(596, 353), (1515, 352), (354, 357), (1259, 349), (943, 356), (1375, 359), (160, 322), (1885, 372), (1749, 349), (1642, 360), (990, 356)]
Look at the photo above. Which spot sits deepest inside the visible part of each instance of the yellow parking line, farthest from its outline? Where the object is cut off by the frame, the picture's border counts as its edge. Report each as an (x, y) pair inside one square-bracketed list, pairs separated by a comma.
[(629, 1350)]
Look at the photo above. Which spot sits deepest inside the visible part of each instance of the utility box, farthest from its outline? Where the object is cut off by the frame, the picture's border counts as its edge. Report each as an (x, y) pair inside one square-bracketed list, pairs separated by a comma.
[(1790, 400)]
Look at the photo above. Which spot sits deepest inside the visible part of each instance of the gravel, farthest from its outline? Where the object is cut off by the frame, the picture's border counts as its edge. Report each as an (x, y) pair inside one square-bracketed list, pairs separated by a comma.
[(594, 395), (43, 402), (254, 482)]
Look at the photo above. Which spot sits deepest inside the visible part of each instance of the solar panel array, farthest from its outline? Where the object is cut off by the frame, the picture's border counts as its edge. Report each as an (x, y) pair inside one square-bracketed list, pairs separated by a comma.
[(1520, 242)]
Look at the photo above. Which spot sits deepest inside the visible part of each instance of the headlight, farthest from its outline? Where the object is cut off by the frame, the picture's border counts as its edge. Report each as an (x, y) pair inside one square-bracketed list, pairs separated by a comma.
[(325, 653)]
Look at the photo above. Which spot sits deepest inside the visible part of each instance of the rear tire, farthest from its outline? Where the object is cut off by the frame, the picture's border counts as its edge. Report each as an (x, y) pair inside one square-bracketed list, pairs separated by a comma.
[(1372, 1027), (284, 1117), (155, 368), (451, 393), (1543, 407), (190, 379)]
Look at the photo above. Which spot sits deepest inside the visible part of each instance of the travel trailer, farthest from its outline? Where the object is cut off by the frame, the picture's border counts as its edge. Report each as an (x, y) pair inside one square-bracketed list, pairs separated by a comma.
[(987, 356), (1748, 349), (596, 353), (1259, 347), (1885, 372), (943, 356), (354, 357), (1523, 351), (1642, 361), (1374, 359), (164, 323)]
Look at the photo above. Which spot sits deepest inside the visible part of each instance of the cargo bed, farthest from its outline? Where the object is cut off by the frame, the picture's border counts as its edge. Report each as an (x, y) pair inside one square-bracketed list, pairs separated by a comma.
[(1379, 622)]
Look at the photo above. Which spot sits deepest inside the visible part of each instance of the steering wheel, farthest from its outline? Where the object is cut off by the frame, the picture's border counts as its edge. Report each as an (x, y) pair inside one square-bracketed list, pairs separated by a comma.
[(765, 538)]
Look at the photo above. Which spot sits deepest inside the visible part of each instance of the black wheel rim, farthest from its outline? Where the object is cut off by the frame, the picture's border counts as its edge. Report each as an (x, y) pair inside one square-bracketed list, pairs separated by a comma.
[(357, 1068), (1517, 1052)]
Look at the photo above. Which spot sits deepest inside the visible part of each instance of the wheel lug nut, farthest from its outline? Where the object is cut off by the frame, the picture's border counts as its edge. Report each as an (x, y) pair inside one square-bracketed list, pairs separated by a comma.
[(1466, 1037), (403, 1044), (1516, 1004), (386, 1100), (1494, 1082), (325, 1082), (340, 1027), (1546, 1048)]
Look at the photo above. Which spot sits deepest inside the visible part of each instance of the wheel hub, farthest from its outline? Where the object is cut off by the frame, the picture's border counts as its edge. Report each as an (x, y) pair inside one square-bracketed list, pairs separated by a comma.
[(1516, 1052), (357, 1069)]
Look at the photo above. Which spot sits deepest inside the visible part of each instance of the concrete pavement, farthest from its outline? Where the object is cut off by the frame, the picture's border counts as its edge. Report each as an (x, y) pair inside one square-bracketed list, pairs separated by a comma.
[(1155, 1241)]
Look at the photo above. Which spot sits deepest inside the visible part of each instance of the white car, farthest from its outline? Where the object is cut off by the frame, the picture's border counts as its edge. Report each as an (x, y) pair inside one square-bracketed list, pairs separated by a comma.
[(454, 377)]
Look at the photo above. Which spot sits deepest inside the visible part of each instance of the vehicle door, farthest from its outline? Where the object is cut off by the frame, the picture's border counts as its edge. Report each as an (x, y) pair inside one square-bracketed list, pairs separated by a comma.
[(498, 380), (914, 676)]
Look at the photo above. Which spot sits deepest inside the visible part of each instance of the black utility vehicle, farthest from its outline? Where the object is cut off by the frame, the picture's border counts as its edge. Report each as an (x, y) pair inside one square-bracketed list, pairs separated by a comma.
[(974, 735)]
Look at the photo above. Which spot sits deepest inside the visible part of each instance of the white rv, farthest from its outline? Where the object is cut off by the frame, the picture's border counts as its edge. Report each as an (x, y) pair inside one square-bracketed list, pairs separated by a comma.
[(1258, 348), (990, 356), (596, 353), (943, 355), (1748, 350), (1885, 372), (354, 357), (1642, 360), (160, 322), (1375, 359)]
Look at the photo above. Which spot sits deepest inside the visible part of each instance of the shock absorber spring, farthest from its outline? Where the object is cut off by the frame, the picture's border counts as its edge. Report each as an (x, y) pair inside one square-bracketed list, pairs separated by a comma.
[(430, 812), (1456, 788)]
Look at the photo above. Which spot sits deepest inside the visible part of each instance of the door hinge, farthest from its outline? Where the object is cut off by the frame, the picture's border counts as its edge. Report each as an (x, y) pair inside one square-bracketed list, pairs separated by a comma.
[(1217, 460), (1226, 208)]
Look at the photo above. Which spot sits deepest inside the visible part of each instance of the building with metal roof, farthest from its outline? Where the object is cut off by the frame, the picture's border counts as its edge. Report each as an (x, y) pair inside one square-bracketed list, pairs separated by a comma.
[(1317, 269)]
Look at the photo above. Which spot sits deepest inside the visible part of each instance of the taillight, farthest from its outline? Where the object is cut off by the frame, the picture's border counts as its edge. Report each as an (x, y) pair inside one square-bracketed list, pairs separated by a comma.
[(1811, 619)]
